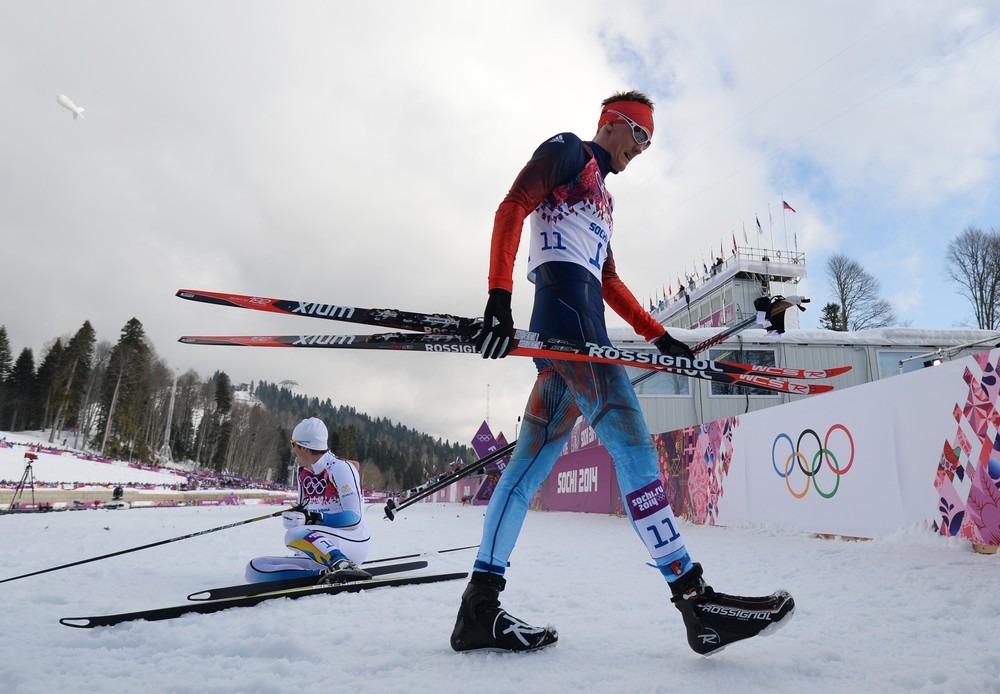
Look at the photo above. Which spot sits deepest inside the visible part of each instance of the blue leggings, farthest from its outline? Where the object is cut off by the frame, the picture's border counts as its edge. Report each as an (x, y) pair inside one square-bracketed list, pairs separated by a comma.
[(606, 398)]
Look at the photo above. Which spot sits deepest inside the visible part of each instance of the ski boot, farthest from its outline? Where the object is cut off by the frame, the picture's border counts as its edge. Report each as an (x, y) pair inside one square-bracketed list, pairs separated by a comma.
[(483, 625), (342, 570), (715, 620)]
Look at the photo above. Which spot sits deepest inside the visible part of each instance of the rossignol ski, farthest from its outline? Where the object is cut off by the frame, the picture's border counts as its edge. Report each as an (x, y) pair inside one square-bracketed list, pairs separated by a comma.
[(209, 606), (546, 348), (445, 332)]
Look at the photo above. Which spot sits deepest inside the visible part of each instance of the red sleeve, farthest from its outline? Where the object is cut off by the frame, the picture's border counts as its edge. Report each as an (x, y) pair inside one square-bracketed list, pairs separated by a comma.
[(624, 303), (524, 196), (553, 164)]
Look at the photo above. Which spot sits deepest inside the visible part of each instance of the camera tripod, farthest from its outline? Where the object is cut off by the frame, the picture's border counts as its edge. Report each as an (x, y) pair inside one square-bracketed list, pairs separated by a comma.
[(27, 479)]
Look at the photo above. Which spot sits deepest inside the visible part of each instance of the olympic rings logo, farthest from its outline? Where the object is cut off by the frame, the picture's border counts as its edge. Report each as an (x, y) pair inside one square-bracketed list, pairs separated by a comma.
[(820, 453), (313, 485)]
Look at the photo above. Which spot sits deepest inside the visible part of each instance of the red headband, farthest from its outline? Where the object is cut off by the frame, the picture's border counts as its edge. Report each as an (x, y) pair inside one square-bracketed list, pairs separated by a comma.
[(639, 112)]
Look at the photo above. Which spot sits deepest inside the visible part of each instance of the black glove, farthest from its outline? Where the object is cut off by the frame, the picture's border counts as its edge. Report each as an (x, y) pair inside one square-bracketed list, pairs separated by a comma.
[(671, 347), (312, 517), (496, 338)]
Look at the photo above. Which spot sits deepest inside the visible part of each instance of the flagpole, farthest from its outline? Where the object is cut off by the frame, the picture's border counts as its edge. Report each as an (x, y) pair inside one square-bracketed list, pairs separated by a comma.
[(770, 225), (784, 222)]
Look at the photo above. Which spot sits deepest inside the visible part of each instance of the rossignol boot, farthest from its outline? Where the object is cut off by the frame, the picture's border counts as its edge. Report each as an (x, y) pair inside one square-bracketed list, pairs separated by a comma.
[(715, 620), (483, 624)]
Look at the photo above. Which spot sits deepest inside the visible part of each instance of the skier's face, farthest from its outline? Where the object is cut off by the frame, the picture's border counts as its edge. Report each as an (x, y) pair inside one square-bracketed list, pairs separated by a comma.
[(303, 456), (622, 144)]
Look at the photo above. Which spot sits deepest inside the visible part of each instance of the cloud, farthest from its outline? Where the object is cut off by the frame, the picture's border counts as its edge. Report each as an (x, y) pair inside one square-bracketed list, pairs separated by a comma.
[(356, 154)]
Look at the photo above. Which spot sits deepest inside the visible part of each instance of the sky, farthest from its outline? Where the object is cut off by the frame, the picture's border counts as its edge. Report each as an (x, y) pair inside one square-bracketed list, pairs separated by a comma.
[(908, 612), (355, 154)]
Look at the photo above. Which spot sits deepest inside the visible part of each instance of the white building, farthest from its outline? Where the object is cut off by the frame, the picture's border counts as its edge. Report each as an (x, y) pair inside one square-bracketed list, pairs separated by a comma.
[(725, 295)]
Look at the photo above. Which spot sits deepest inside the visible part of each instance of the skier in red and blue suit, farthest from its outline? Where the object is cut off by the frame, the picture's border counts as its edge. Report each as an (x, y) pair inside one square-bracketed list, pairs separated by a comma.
[(571, 264)]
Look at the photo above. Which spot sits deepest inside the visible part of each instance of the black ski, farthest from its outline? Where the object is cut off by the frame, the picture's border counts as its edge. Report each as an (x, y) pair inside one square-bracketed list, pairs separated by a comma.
[(534, 345), (208, 607), (382, 317), (284, 584), (445, 332)]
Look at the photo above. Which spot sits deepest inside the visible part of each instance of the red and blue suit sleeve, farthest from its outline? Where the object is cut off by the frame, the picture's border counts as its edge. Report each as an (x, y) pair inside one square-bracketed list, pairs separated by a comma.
[(553, 164), (623, 302)]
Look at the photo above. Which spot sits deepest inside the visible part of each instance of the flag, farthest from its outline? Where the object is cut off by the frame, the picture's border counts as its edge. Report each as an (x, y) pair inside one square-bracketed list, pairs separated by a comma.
[(759, 230), (704, 266), (745, 239), (721, 251), (735, 247), (786, 206)]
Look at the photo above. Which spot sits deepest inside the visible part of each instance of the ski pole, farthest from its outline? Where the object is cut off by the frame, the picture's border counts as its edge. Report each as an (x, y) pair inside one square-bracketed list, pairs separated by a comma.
[(419, 554), (136, 549), (464, 471), (776, 307), (467, 469)]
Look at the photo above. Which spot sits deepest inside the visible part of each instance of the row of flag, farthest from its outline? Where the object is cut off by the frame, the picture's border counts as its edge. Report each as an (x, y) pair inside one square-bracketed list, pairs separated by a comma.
[(668, 291)]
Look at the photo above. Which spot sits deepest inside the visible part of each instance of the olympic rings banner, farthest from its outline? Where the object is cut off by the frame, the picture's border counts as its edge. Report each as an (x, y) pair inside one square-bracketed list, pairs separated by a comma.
[(876, 458), (917, 449)]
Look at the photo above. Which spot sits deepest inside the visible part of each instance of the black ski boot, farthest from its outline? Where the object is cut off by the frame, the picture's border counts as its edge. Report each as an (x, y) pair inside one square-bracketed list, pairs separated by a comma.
[(715, 620), (342, 571), (483, 624)]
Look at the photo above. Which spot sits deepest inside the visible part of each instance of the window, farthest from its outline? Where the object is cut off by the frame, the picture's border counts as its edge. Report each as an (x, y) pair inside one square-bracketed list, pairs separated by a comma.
[(758, 357), (658, 382), (888, 361)]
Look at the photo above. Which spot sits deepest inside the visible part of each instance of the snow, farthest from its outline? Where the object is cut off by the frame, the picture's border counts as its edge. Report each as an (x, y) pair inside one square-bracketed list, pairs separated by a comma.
[(911, 612), (888, 337)]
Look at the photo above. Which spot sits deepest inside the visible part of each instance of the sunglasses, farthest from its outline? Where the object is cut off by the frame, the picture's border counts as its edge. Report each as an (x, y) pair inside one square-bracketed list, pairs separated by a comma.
[(641, 135)]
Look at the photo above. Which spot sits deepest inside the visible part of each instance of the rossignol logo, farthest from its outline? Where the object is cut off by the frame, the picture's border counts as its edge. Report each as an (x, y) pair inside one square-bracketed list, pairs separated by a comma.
[(324, 310), (307, 340), (737, 613), (685, 365), (463, 348)]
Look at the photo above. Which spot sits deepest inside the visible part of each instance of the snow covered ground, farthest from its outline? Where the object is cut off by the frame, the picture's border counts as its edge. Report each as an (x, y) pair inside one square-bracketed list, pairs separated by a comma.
[(68, 465), (912, 612)]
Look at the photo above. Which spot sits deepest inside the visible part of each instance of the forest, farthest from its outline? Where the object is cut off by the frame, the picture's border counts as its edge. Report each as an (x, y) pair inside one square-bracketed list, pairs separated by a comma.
[(122, 401)]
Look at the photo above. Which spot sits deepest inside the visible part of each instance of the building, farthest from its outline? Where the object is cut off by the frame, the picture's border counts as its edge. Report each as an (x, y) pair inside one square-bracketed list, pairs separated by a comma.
[(724, 296)]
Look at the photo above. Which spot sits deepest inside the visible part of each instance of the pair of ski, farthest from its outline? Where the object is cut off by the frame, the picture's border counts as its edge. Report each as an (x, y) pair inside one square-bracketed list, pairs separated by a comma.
[(437, 332), (249, 594)]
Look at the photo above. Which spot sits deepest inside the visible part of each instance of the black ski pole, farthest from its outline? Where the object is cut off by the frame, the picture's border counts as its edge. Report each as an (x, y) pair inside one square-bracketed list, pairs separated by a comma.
[(464, 471), (468, 469), (419, 554), (152, 544)]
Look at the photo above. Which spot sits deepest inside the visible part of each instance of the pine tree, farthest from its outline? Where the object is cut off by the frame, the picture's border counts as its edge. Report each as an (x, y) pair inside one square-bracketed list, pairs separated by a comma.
[(6, 357), (21, 384), (832, 318), (124, 395)]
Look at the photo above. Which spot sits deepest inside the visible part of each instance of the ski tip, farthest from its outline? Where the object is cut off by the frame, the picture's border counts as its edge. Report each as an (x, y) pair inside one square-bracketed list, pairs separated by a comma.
[(77, 622), (837, 370)]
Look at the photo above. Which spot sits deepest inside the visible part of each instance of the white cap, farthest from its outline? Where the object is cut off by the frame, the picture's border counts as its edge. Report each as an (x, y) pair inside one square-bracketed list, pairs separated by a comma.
[(310, 433)]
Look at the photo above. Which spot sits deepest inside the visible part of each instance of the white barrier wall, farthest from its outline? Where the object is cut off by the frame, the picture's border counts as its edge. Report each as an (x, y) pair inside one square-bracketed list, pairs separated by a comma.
[(868, 460)]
